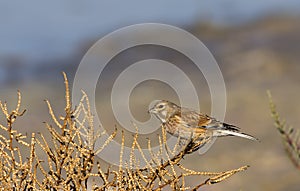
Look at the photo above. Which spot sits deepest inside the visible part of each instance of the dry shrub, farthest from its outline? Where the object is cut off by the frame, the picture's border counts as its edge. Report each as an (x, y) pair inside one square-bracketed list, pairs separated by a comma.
[(68, 162)]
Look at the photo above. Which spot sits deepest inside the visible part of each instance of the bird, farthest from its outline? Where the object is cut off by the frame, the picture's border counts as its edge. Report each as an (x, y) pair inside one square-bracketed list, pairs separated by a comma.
[(187, 124)]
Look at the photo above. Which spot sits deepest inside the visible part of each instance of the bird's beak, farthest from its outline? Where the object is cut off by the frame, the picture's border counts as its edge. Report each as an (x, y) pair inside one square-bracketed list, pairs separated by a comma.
[(152, 110)]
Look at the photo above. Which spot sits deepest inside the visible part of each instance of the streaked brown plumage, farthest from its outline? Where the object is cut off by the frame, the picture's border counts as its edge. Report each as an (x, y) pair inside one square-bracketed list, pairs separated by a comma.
[(187, 124)]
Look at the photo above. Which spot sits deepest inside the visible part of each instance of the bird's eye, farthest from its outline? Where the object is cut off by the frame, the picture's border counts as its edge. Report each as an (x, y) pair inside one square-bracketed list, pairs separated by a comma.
[(160, 106)]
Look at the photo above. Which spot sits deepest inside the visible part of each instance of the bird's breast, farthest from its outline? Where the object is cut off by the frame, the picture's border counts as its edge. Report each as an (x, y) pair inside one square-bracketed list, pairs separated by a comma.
[(178, 130), (171, 127)]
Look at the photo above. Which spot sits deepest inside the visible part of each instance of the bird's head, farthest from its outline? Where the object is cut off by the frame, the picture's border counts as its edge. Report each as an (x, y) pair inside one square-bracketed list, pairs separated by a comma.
[(163, 109)]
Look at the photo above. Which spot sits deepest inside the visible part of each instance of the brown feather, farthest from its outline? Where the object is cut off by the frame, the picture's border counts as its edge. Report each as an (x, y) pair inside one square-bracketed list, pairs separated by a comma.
[(194, 119)]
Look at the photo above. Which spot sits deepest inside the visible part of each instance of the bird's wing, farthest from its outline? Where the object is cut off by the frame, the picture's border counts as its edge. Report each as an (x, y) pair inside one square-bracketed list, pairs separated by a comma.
[(200, 120), (204, 126), (194, 119)]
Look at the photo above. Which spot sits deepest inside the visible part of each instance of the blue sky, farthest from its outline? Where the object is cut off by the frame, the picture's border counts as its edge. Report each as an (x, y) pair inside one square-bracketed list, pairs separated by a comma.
[(38, 29)]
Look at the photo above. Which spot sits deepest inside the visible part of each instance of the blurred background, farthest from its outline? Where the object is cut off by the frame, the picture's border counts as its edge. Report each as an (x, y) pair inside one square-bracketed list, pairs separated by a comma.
[(256, 44)]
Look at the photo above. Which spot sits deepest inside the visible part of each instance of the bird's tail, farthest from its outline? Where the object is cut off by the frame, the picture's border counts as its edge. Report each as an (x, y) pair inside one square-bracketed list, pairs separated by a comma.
[(224, 132)]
